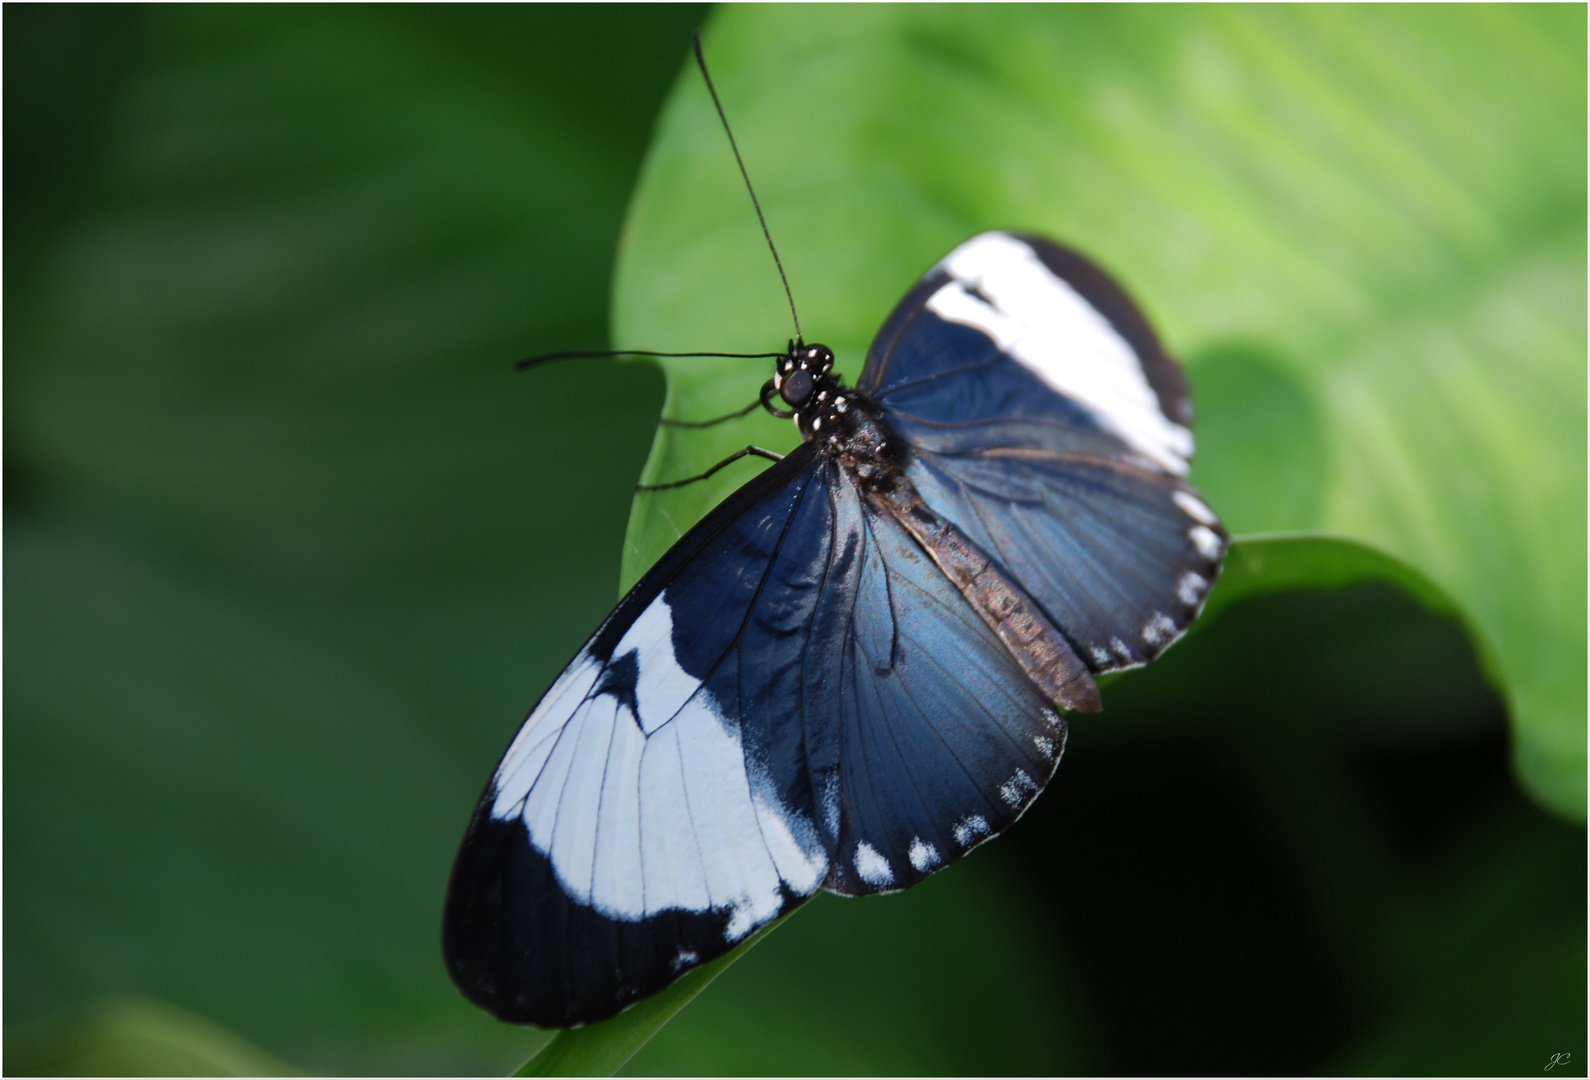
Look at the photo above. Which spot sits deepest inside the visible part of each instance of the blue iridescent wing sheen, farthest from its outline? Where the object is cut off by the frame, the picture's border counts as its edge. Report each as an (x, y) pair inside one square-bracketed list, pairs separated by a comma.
[(1119, 557), (794, 698), (943, 740), (1047, 422)]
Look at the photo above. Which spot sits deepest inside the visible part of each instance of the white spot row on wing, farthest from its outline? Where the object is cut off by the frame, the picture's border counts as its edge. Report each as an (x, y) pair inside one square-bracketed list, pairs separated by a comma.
[(872, 867)]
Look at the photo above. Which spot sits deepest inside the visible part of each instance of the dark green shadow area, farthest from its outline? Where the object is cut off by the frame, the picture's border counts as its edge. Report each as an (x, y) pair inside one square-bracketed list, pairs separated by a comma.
[(289, 547)]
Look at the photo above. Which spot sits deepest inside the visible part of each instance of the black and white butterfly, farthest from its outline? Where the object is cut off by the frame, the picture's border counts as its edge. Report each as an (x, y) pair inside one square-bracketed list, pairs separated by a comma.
[(855, 669)]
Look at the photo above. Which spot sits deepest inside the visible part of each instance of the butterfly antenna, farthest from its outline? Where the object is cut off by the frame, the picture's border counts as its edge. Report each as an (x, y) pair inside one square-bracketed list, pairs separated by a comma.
[(701, 62), (585, 354)]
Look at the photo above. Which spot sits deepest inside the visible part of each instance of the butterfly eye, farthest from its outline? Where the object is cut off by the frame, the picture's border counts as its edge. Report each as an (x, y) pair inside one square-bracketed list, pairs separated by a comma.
[(796, 387)]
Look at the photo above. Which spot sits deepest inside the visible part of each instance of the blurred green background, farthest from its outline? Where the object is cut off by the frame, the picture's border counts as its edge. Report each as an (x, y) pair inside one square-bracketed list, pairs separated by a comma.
[(289, 550)]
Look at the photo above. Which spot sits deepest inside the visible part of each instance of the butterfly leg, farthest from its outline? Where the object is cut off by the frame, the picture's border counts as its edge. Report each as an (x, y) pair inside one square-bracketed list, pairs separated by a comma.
[(766, 401), (763, 400), (668, 421), (749, 451)]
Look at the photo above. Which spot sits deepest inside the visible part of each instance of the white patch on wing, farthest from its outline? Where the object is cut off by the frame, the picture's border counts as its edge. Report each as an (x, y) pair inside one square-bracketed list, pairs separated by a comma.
[(1120, 649), (528, 752), (1100, 657), (1044, 744), (969, 828), (923, 855), (1207, 541), (615, 875), (644, 814), (671, 863), (573, 839), (541, 808), (872, 867), (1159, 628), (802, 864), (1190, 589), (1046, 325), (740, 873), (684, 958), (1194, 507), (661, 686)]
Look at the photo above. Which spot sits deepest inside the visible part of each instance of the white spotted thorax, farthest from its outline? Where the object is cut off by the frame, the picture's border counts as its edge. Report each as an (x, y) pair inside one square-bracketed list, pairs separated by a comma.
[(841, 421), (806, 380)]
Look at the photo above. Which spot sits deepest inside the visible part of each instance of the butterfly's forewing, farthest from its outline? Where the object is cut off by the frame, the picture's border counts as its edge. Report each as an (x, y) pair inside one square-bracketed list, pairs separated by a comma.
[(1014, 340), (794, 697), (637, 826), (1048, 424)]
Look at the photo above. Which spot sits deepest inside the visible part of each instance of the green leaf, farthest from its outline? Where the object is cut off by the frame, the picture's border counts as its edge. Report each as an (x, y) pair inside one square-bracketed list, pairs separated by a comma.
[(1260, 563), (1363, 228)]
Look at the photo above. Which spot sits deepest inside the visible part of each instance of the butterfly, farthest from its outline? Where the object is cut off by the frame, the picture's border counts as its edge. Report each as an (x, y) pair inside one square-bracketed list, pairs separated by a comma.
[(858, 667)]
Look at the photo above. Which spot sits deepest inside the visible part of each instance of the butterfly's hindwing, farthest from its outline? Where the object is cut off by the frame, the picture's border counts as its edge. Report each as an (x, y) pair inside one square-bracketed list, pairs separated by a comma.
[(1121, 558), (944, 740)]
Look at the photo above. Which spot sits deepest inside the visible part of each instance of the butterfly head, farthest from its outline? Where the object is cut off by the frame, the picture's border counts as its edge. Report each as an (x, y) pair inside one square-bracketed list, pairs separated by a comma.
[(840, 419), (804, 372)]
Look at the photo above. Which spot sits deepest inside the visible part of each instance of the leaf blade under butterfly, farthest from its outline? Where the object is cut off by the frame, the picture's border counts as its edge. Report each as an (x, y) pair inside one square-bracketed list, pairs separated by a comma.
[(1388, 205)]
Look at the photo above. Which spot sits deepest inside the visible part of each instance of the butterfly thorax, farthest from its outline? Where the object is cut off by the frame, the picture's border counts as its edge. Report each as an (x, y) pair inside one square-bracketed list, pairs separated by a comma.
[(844, 423)]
